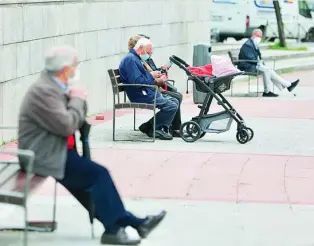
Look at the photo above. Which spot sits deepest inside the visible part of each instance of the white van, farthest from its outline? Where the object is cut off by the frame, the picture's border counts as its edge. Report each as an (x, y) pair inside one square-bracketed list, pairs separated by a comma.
[(238, 18), (306, 20), (229, 18), (296, 15), (259, 12)]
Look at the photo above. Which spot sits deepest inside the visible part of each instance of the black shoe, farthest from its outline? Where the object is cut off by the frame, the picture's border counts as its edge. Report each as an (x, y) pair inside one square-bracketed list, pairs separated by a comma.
[(293, 85), (150, 224), (120, 238), (146, 129), (269, 94), (163, 135), (176, 134)]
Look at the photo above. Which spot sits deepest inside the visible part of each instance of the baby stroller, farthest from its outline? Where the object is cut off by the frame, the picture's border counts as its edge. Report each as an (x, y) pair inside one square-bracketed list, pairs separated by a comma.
[(217, 122)]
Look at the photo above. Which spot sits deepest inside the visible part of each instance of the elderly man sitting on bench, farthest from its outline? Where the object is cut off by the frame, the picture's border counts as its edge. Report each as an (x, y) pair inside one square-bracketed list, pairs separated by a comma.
[(50, 114), (132, 71), (251, 53)]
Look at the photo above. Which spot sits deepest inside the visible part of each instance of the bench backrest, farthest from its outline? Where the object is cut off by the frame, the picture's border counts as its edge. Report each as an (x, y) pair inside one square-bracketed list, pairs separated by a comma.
[(115, 82), (13, 183), (232, 58)]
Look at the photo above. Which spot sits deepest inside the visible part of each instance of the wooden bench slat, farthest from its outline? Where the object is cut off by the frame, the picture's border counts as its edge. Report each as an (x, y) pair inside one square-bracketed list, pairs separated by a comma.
[(134, 105), (14, 198)]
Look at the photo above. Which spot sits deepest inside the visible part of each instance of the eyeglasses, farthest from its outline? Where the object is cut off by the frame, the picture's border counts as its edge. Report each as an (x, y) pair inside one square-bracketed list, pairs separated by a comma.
[(143, 36)]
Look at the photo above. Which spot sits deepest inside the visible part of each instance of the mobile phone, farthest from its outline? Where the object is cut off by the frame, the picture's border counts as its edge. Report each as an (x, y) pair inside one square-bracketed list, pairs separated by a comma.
[(169, 64)]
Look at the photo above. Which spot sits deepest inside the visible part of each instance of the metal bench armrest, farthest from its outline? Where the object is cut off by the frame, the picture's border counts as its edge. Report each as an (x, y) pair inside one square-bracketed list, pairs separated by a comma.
[(142, 85), (248, 61), (170, 80), (29, 156)]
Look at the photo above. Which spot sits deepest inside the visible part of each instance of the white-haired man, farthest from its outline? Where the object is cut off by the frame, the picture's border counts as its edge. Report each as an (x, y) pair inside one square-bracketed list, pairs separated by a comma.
[(250, 52), (132, 71), (50, 114)]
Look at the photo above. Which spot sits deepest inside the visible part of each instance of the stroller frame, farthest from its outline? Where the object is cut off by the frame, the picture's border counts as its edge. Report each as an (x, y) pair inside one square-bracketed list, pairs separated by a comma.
[(191, 131)]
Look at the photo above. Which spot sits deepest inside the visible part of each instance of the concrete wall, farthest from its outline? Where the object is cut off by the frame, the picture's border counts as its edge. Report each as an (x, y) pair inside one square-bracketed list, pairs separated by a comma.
[(99, 29)]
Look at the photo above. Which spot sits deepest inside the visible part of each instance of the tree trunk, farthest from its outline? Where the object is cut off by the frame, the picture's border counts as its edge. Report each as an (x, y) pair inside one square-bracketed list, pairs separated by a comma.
[(281, 32)]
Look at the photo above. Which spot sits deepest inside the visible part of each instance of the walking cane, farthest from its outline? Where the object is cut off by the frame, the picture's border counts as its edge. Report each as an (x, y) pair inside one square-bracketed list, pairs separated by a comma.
[(84, 131)]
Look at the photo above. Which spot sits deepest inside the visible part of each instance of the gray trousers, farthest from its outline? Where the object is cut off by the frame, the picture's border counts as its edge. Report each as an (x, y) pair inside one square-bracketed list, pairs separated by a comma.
[(271, 77)]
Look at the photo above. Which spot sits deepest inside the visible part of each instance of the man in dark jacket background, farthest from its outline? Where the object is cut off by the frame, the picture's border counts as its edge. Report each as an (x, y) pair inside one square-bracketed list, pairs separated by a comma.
[(250, 52)]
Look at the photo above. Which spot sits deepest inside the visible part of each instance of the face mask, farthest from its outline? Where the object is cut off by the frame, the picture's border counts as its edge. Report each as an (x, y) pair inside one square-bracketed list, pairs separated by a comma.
[(258, 40), (144, 57), (76, 77)]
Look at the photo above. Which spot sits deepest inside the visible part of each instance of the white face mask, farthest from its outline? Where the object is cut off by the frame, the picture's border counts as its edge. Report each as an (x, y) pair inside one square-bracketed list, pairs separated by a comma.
[(258, 40), (76, 77)]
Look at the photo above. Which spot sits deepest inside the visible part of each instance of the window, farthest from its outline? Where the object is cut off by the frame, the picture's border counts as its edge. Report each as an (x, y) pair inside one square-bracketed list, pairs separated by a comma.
[(304, 9)]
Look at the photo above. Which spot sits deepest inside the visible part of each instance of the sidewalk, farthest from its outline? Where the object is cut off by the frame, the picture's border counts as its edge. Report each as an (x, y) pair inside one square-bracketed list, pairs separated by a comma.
[(216, 191)]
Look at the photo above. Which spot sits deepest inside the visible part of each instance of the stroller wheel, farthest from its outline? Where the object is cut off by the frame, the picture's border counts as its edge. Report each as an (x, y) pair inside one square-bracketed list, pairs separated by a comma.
[(190, 131), (202, 134), (243, 136), (251, 133)]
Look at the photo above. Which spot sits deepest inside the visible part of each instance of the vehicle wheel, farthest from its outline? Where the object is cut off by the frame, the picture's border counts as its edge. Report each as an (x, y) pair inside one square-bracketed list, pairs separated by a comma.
[(310, 36), (243, 136), (202, 134), (221, 38), (190, 131), (251, 133)]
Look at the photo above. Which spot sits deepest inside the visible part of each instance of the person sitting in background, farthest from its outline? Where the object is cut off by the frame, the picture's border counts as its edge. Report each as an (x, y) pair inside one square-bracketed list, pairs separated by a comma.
[(50, 114), (132, 71), (171, 91), (251, 53)]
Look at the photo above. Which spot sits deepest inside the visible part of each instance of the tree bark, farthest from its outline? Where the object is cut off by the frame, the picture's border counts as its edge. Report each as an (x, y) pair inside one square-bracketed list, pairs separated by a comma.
[(281, 32)]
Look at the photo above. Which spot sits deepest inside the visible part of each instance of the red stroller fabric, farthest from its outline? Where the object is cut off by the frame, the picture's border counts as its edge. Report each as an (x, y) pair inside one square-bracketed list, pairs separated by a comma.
[(206, 70)]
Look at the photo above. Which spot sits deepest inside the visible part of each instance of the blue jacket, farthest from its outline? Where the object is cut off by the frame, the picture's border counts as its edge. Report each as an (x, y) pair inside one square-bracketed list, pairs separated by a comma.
[(132, 71), (249, 51)]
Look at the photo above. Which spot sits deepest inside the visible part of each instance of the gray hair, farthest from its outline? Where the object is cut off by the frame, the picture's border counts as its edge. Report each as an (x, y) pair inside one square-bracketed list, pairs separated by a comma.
[(144, 42), (59, 57), (256, 31)]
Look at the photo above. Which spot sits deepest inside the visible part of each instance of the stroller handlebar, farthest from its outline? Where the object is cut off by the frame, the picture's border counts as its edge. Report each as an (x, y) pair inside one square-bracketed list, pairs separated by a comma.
[(181, 64)]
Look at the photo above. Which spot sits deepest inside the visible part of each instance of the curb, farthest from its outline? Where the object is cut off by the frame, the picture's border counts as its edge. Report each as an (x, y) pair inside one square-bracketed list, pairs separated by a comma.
[(290, 56), (232, 48), (272, 57), (295, 68), (285, 70)]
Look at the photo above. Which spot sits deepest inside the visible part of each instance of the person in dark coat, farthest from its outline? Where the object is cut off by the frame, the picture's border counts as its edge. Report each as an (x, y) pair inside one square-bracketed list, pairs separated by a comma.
[(253, 63)]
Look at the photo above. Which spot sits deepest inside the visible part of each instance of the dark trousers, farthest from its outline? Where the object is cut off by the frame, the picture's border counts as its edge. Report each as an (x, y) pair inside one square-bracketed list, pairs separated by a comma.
[(86, 179), (176, 122)]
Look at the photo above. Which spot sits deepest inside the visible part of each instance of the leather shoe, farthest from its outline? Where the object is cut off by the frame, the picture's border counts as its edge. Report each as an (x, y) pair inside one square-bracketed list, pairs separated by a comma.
[(176, 134), (120, 238), (269, 94), (150, 224), (161, 134), (293, 85)]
